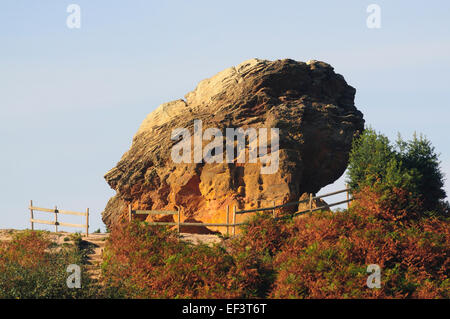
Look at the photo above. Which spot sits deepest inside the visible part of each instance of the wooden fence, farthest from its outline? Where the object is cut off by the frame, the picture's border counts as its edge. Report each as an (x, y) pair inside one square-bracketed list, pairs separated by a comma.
[(233, 224), (57, 223), (178, 223), (309, 210)]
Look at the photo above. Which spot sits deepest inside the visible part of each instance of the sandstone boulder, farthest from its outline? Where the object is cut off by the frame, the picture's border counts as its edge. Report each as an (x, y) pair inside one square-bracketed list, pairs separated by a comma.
[(311, 105)]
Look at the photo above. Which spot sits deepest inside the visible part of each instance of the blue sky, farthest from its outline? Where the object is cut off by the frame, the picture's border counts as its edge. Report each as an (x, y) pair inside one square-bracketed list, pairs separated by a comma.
[(71, 99)]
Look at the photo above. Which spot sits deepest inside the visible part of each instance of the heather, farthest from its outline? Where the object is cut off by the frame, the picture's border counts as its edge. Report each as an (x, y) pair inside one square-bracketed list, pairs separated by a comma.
[(31, 266), (143, 261), (328, 253), (319, 255)]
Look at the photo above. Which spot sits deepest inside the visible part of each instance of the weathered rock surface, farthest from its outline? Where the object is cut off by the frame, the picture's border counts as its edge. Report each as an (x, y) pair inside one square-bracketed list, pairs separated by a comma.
[(311, 105)]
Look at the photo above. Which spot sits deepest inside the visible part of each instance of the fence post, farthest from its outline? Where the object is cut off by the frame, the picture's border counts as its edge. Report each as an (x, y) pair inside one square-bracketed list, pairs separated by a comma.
[(56, 218), (129, 213), (87, 222), (32, 217), (234, 220), (273, 212), (310, 202), (228, 220), (348, 197), (179, 220)]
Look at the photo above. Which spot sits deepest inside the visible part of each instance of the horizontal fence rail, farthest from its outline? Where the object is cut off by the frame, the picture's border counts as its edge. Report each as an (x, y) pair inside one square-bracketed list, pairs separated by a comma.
[(178, 223), (233, 224), (299, 202), (57, 223), (315, 209)]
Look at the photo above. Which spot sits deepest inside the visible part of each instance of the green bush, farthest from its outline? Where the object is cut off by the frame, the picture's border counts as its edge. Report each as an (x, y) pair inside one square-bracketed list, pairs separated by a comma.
[(369, 159), (412, 166), (419, 157)]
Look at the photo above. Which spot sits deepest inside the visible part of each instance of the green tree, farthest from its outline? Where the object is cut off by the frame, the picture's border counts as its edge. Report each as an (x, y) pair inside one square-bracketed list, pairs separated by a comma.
[(374, 160), (410, 165), (419, 157)]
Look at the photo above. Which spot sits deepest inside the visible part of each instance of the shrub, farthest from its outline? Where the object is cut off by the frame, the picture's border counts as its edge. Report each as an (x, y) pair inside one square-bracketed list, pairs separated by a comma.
[(419, 156), (143, 261), (253, 252), (412, 166), (372, 159), (318, 255), (30, 268), (327, 254)]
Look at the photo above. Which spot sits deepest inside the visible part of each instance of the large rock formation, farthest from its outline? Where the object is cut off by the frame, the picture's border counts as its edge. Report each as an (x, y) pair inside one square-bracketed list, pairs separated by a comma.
[(311, 105)]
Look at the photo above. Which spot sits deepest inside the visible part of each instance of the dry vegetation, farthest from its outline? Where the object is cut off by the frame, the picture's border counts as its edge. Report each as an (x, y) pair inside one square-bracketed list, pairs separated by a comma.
[(33, 265), (322, 255)]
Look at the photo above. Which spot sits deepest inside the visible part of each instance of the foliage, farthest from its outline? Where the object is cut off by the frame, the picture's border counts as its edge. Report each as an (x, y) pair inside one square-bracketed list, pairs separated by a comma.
[(327, 254), (371, 156), (373, 160), (412, 166), (253, 254), (30, 267), (143, 261), (318, 255), (419, 156)]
